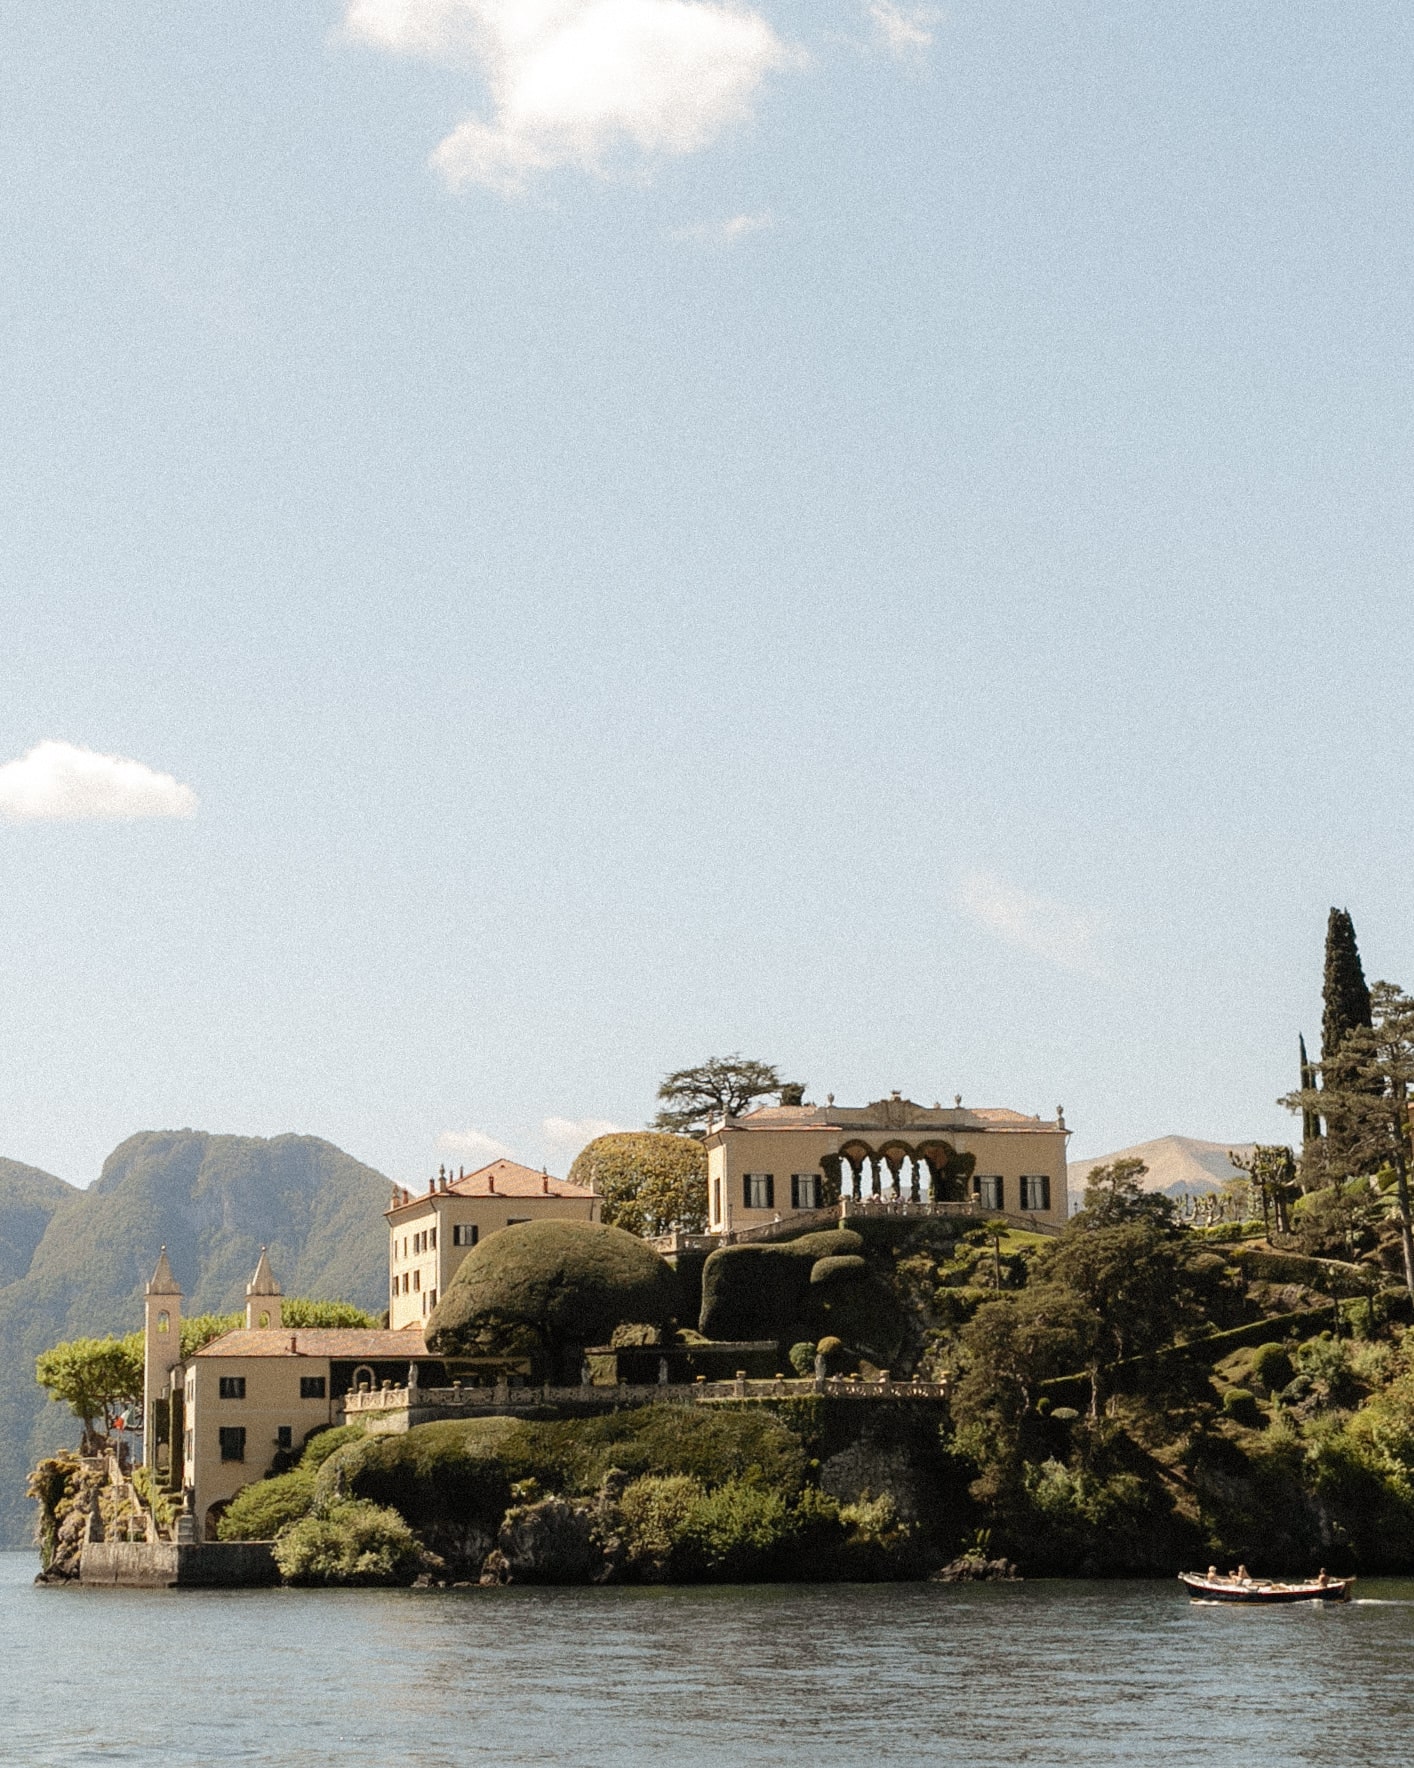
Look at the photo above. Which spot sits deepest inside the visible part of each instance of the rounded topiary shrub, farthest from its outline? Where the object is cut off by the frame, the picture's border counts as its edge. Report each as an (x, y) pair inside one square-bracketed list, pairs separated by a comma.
[(758, 1291), (1240, 1404), (650, 1182), (802, 1357), (547, 1289), (1272, 1367)]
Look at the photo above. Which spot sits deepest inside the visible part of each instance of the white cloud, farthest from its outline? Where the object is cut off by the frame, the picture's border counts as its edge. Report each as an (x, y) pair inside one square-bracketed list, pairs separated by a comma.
[(61, 783), (568, 1135), (1037, 924), (724, 233), (474, 1143), (903, 30), (573, 82)]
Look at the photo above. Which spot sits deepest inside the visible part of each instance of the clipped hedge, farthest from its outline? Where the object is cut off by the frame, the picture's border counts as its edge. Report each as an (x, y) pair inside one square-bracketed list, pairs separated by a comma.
[(549, 1288), (758, 1290), (1293, 1267)]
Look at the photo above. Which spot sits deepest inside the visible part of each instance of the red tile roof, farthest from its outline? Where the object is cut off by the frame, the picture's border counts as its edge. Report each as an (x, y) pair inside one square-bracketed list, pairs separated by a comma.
[(504, 1178), (361, 1342)]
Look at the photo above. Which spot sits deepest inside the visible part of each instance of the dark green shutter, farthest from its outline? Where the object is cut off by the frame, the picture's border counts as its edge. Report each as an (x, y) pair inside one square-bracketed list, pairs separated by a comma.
[(746, 1190), (770, 1190), (795, 1190)]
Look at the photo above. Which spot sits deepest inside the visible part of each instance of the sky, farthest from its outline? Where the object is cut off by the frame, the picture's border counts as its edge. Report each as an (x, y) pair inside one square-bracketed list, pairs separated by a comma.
[(544, 540)]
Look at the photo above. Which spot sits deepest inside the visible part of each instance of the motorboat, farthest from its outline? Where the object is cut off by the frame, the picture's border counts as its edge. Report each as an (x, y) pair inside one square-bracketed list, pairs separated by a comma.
[(1239, 1587)]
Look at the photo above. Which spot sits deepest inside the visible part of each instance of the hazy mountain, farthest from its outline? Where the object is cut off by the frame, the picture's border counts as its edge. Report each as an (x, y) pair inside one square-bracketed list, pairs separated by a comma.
[(1178, 1165), (74, 1262), (28, 1199)]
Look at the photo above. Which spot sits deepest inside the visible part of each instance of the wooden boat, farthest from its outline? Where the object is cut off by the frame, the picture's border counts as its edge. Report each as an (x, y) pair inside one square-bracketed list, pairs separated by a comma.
[(1209, 1587)]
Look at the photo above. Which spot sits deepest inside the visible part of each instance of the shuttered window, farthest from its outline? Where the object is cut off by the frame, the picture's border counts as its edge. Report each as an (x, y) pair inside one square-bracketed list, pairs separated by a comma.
[(805, 1191), (759, 1191), (1035, 1191)]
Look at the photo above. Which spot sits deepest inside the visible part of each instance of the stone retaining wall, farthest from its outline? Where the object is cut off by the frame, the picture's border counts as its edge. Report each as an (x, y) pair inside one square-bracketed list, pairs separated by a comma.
[(171, 1565)]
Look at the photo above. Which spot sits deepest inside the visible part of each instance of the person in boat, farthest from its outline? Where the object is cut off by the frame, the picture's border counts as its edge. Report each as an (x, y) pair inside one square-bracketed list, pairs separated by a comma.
[(1321, 1577), (1212, 1573), (1242, 1575)]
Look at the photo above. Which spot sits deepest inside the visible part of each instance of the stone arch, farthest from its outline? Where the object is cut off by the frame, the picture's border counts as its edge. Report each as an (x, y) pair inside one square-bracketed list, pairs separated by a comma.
[(213, 1518)]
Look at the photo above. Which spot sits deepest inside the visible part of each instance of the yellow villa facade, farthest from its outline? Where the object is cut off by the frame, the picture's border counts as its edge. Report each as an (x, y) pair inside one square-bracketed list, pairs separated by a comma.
[(784, 1160)]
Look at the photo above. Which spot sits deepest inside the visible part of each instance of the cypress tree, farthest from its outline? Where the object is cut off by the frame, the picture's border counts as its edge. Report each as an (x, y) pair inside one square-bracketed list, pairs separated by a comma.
[(1310, 1120), (1344, 996), (1346, 1008)]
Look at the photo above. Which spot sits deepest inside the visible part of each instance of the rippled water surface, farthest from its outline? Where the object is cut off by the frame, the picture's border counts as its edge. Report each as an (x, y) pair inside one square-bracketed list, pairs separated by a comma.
[(1052, 1673)]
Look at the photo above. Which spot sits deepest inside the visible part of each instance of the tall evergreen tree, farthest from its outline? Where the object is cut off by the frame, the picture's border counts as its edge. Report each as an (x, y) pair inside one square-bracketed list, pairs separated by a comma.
[(1310, 1120), (1345, 1012), (1345, 999)]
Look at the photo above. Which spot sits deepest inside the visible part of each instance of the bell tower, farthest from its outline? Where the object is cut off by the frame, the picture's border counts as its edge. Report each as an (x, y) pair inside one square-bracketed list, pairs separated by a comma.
[(162, 1351), (262, 1298)]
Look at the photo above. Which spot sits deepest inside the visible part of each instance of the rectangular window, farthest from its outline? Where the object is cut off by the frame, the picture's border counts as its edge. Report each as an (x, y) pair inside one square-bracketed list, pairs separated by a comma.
[(232, 1442), (417, 1279), (284, 1436), (759, 1191), (805, 1191), (1035, 1191), (232, 1387), (989, 1191), (431, 1299), (716, 1200), (432, 1241), (311, 1387), (407, 1282), (464, 1233)]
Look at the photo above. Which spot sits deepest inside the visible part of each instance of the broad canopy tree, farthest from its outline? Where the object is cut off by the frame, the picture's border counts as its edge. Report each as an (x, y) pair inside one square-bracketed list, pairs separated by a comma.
[(722, 1086), (97, 1378), (650, 1182)]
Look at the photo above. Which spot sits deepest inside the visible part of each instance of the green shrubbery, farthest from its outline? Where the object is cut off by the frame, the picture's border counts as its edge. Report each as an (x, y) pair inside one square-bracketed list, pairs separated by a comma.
[(260, 1510), (351, 1542)]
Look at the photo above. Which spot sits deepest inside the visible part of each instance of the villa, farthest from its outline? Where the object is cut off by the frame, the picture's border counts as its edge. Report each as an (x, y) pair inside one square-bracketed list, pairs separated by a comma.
[(245, 1404), (795, 1159)]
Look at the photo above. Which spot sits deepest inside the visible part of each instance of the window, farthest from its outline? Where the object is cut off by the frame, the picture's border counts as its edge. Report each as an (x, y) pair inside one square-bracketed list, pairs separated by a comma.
[(431, 1299), (805, 1191), (759, 1191), (1035, 1191), (432, 1241), (464, 1233), (232, 1442), (164, 1321), (407, 1282), (233, 1387), (284, 1436), (417, 1279), (989, 1191), (716, 1200), (311, 1387)]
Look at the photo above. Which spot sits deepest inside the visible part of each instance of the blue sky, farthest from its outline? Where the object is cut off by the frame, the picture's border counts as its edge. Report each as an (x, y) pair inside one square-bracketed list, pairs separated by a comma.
[(878, 537)]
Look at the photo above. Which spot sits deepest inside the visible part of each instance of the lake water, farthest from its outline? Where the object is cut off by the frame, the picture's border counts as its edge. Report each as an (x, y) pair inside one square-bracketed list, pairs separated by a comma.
[(885, 1677)]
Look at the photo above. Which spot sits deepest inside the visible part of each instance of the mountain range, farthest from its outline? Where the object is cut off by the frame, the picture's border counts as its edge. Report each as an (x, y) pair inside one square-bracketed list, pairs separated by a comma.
[(1178, 1166), (74, 1262)]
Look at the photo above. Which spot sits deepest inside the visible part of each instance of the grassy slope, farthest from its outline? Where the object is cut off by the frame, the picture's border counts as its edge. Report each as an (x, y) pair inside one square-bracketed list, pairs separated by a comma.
[(214, 1201)]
